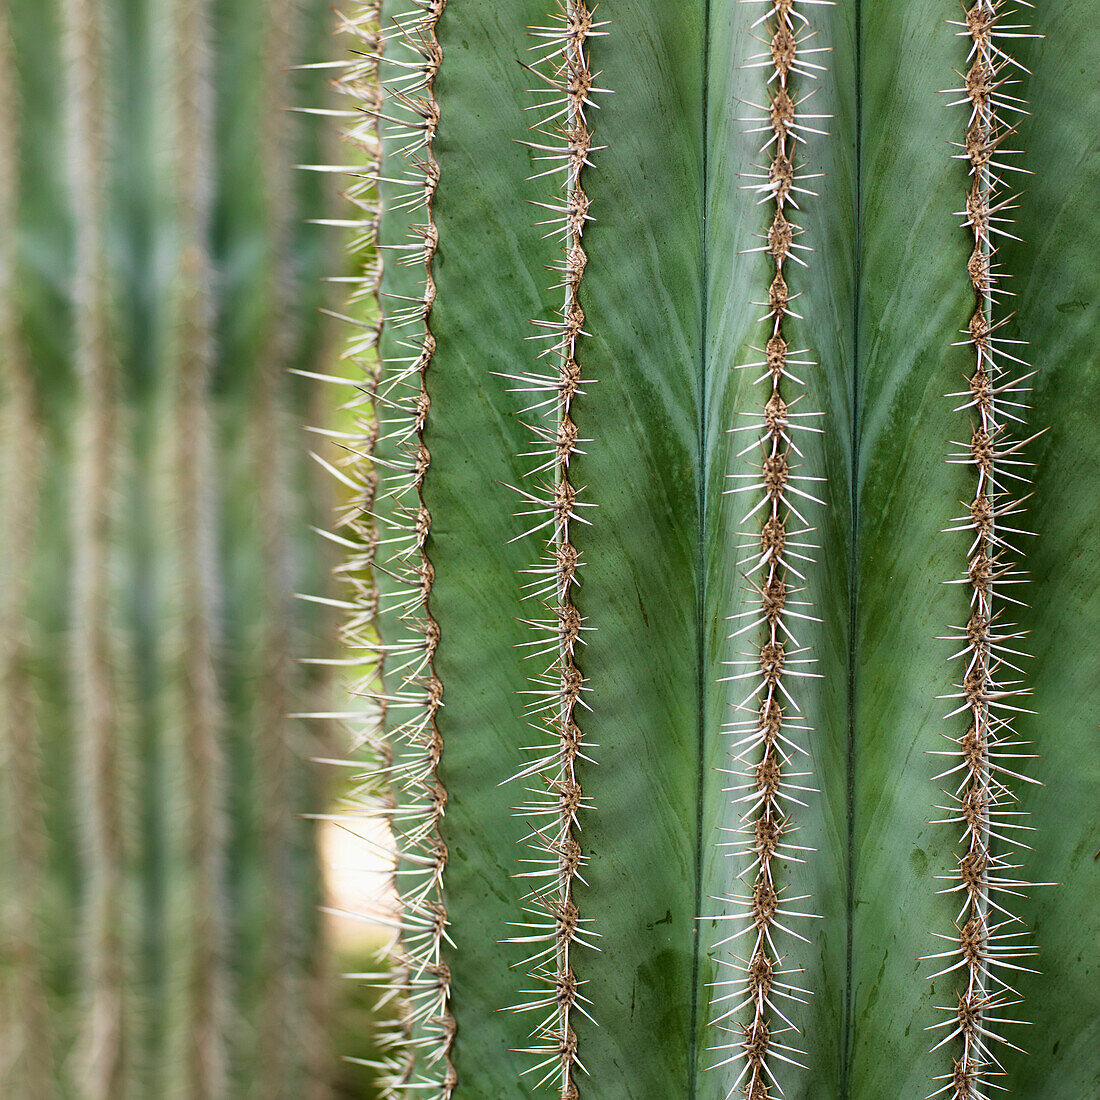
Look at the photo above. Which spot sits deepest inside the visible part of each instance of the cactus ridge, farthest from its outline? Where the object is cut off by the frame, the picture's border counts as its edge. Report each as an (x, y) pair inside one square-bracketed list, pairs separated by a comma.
[(357, 523), (202, 712), (563, 142), (768, 742), (988, 938), (421, 846), (96, 687), (386, 527)]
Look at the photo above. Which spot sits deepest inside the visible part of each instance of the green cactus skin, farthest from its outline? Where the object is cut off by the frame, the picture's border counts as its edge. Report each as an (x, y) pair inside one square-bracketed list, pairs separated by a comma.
[(672, 267), (1056, 283)]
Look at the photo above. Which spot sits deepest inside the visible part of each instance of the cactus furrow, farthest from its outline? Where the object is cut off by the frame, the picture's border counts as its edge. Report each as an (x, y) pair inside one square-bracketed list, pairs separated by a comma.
[(280, 1039), (26, 1056), (553, 925), (989, 941), (767, 782)]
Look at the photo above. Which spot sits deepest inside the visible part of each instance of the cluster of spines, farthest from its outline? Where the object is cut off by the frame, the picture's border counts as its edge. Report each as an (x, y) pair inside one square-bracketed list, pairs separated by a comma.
[(766, 783), (554, 926), (988, 941), (386, 526)]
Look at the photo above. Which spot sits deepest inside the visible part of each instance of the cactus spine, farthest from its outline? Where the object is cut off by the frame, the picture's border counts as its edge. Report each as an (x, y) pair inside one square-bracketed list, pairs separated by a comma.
[(988, 941), (429, 990), (767, 742), (564, 142), (389, 526)]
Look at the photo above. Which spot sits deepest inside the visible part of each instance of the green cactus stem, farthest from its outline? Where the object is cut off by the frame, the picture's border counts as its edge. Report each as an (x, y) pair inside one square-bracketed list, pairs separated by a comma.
[(698, 545)]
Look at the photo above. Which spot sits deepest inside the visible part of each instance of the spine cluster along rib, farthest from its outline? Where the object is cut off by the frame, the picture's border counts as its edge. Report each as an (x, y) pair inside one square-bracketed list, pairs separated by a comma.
[(752, 1007), (386, 525), (988, 943), (555, 926)]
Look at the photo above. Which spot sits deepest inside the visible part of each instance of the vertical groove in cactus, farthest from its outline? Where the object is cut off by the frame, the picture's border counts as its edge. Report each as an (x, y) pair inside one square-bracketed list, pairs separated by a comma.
[(95, 689), (26, 1055), (989, 946), (768, 745), (552, 925)]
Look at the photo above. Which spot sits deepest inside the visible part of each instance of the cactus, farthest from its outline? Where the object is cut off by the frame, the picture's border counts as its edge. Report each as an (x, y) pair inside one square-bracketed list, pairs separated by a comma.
[(701, 721), (204, 1040), (27, 1057), (154, 902), (94, 667)]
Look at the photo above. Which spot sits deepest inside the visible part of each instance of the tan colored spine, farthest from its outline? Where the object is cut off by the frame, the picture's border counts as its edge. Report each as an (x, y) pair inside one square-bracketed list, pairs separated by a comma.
[(392, 533), (556, 927), (988, 937), (769, 742)]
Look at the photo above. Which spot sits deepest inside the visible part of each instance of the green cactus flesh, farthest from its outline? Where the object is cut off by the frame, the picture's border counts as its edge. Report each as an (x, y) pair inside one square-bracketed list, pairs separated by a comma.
[(694, 612)]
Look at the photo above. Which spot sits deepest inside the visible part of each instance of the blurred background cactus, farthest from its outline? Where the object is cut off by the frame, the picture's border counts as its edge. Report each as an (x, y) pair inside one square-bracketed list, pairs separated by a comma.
[(160, 280)]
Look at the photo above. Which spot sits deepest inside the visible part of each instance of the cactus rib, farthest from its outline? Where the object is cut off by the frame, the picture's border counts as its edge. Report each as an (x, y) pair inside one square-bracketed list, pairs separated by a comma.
[(357, 521), (95, 691), (412, 798), (766, 746), (205, 1054), (983, 760), (431, 992), (564, 143)]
